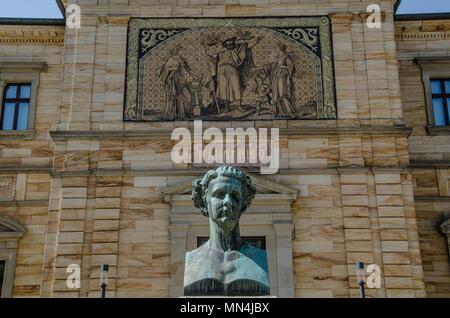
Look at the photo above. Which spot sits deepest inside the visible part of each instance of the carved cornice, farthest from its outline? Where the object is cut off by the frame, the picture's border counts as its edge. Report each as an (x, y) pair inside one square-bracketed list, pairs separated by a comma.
[(41, 35), (422, 35), (428, 30)]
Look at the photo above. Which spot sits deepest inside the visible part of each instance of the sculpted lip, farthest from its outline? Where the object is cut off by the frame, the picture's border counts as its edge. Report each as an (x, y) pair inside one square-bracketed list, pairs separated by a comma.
[(223, 212)]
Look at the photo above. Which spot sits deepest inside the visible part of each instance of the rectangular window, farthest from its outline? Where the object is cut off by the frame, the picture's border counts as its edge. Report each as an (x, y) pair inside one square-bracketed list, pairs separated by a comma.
[(440, 90), (16, 106), (2, 274), (258, 242)]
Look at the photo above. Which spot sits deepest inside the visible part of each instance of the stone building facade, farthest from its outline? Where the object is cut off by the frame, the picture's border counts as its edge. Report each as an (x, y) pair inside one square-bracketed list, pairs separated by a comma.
[(81, 185)]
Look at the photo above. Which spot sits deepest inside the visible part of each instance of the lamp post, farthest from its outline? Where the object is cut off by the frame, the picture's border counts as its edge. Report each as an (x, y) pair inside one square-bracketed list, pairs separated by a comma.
[(103, 279), (361, 279)]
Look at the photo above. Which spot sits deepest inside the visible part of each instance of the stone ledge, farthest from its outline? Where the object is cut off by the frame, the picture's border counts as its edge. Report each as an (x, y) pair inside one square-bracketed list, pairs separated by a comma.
[(23, 169), (430, 163), (438, 131), (24, 203), (426, 198), (17, 134), (198, 171), (164, 133)]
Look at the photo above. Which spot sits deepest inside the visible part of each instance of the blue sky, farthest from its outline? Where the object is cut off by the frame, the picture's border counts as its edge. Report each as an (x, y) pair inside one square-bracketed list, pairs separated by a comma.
[(29, 9), (49, 9), (424, 6)]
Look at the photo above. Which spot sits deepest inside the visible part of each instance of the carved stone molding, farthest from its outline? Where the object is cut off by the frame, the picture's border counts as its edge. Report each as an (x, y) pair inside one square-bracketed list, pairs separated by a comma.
[(413, 30), (27, 34), (422, 35)]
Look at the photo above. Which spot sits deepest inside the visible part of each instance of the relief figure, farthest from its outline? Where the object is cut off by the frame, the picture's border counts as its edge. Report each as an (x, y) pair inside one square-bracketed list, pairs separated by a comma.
[(282, 71), (178, 96), (233, 60)]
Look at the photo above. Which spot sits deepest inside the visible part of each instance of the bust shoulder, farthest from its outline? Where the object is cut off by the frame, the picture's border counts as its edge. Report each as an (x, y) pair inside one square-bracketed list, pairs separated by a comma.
[(258, 255), (217, 267)]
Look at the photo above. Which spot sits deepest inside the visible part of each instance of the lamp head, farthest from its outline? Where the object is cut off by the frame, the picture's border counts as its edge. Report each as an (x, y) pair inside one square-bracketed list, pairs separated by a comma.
[(360, 274), (104, 274)]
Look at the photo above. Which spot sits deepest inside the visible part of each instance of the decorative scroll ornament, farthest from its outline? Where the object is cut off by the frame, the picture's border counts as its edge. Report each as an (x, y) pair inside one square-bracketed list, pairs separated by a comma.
[(307, 36), (151, 38)]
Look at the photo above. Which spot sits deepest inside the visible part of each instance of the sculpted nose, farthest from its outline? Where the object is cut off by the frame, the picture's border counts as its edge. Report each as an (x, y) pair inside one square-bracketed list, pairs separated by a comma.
[(227, 200)]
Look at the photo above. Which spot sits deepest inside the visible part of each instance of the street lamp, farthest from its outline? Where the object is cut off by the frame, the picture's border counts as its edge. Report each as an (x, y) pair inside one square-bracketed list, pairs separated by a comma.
[(103, 279), (361, 279)]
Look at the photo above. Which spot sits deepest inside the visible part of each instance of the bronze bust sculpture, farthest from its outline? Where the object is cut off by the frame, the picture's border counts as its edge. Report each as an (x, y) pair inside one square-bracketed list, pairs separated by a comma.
[(224, 265)]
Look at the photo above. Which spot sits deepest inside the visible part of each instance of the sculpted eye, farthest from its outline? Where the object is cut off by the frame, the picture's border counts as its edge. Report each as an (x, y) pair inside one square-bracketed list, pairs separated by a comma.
[(236, 196), (219, 194)]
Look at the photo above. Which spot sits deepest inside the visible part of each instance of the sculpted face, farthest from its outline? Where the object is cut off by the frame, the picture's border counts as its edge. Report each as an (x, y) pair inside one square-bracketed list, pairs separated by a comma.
[(224, 201)]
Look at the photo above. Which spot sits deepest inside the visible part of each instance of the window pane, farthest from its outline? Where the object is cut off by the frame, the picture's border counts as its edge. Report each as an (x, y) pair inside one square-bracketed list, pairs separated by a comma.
[(11, 91), (258, 242), (8, 116), (448, 110), (439, 115), (22, 120), (447, 86), (436, 87), (25, 91), (2, 274)]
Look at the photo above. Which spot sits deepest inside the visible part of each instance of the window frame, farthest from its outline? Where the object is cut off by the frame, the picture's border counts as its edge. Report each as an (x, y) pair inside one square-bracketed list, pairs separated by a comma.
[(16, 101), (443, 96), (445, 229), (433, 69), (10, 234), (2, 275), (22, 72), (243, 238)]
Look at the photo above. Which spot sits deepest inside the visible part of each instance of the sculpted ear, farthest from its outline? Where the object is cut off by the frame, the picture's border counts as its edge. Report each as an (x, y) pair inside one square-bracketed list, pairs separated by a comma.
[(198, 196), (249, 194)]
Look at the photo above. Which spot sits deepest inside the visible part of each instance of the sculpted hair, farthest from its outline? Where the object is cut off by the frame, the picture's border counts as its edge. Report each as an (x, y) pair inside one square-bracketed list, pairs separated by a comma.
[(200, 185)]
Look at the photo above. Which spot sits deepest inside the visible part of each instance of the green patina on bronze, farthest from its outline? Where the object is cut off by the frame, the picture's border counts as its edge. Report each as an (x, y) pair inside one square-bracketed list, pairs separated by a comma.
[(224, 265)]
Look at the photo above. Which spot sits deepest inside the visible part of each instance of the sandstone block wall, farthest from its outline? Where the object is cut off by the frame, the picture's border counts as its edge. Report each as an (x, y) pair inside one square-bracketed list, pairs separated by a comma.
[(27, 157), (429, 152), (103, 200)]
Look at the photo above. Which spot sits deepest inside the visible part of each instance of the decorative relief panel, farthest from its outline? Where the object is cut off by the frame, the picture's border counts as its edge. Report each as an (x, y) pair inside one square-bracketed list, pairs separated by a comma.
[(6, 188), (236, 68)]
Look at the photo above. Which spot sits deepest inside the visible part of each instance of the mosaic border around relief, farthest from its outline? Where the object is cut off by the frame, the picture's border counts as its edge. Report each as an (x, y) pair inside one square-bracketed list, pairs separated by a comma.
[(229, 69)]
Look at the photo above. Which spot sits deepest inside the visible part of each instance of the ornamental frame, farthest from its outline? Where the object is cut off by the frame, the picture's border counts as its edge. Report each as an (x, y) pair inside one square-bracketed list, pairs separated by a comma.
[(147, 35)]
